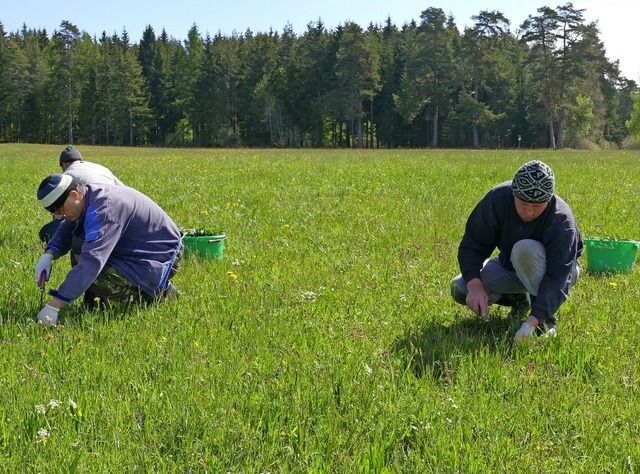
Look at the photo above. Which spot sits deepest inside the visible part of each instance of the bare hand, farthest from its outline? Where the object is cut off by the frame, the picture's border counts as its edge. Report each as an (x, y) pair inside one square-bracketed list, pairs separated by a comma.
[(477, 299)]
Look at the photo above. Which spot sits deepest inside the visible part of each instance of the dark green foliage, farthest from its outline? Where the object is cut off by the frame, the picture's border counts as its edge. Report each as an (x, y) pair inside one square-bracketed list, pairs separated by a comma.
[(424, 84)]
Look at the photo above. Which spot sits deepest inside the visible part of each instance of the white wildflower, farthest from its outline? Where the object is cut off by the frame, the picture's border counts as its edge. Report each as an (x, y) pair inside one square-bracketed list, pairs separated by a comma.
[(53, 404), (41, 409), (312, 295), (72, 404), (42, 434), (309, 295)]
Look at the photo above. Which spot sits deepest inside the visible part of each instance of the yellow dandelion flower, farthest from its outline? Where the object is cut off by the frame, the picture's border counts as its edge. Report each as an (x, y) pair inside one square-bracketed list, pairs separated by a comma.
[(196, 344), (286, 226), (49, 336), (613, 284)]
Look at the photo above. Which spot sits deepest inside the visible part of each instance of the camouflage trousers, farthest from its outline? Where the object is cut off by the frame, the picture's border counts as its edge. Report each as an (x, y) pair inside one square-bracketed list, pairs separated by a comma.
[(111, 285)]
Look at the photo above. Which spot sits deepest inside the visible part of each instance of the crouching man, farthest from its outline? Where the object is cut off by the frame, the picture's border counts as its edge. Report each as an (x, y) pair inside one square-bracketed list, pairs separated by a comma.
[(539, 244), (130, 246)]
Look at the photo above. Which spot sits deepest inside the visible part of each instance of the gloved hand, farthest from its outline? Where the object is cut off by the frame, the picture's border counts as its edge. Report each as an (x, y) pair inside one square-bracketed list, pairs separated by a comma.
[(525, 333), (48, 315), (43, 269)]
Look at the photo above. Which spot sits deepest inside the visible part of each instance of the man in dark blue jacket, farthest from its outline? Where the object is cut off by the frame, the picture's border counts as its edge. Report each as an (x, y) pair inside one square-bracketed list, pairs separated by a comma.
[(539, 244), (130, 245)]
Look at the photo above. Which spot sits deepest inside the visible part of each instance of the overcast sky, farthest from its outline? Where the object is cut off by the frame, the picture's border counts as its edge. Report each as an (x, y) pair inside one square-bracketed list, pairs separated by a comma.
[(617, 19)]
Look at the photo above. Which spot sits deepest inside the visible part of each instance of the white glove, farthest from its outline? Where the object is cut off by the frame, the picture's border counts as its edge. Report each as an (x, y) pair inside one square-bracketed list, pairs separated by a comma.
[(48, 315), (43, 269), (525, 333)]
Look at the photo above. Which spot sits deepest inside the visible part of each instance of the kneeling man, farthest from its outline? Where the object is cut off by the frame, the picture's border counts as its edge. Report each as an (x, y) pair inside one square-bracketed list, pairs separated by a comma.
[(539, 244), (129, 246)]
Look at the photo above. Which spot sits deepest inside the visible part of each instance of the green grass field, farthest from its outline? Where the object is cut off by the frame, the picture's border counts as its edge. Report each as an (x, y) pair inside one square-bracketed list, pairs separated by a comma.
[(326, 339)]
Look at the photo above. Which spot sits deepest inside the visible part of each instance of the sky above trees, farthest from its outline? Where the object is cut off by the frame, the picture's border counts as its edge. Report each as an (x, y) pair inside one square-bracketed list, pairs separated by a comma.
[(615, 17)]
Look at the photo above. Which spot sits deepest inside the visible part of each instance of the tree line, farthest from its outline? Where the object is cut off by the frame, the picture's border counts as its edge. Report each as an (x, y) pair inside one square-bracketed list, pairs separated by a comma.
[(424, 84)]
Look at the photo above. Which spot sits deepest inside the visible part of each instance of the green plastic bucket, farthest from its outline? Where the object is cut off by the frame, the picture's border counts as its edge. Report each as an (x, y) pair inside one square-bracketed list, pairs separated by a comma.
[(209, 247), (610, 255)]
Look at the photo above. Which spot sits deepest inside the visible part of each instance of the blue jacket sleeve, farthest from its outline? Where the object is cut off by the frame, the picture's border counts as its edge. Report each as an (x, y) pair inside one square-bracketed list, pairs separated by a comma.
[(101, 236), (61, 241), (562, 245)]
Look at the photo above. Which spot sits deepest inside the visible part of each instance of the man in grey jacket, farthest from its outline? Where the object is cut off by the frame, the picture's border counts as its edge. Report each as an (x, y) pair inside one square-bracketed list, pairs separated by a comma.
[(130, 246), (539, 244)]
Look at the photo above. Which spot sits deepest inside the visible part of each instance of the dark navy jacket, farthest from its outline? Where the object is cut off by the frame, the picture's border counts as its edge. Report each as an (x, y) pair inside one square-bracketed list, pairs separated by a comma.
[(495, 224)]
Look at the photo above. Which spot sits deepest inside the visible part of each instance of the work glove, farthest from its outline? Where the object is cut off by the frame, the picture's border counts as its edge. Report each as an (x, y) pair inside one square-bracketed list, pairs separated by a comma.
[(525, 333), (48, 315), (43, 269)]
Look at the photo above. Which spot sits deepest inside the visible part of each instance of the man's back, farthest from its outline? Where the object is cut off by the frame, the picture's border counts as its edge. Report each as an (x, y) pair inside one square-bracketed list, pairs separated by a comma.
[(91, 173)]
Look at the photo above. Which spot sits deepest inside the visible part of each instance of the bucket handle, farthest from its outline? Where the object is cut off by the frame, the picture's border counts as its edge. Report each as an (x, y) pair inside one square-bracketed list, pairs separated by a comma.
[(211, 241)]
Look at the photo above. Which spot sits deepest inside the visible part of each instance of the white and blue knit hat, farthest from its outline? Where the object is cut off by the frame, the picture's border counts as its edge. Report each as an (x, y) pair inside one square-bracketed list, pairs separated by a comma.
[(54, 190), (534, 182)]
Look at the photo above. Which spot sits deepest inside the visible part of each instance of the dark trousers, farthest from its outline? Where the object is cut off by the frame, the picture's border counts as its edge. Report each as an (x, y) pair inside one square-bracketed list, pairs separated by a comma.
[(48, 230)]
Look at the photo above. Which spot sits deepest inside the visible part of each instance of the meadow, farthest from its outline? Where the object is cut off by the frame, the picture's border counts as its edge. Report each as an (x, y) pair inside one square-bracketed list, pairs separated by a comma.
[(326, 340)]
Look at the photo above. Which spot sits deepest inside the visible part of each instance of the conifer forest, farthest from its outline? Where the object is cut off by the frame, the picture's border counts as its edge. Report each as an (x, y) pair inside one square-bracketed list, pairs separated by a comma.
[(546, 83)]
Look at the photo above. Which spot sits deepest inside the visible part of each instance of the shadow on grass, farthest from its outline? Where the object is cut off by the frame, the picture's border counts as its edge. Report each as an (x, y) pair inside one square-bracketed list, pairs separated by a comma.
[(434, 347)]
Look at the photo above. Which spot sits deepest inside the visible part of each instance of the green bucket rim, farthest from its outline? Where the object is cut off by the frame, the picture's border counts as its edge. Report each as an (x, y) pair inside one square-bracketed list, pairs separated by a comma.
[(202, 232), (217, 237)]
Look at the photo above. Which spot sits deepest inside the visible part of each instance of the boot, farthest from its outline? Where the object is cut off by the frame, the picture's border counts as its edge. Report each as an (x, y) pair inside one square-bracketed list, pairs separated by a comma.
[(170, 292)]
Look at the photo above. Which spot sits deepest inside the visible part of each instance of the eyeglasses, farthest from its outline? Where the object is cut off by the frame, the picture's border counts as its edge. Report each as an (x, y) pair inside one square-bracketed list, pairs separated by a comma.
[(59, 213)]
